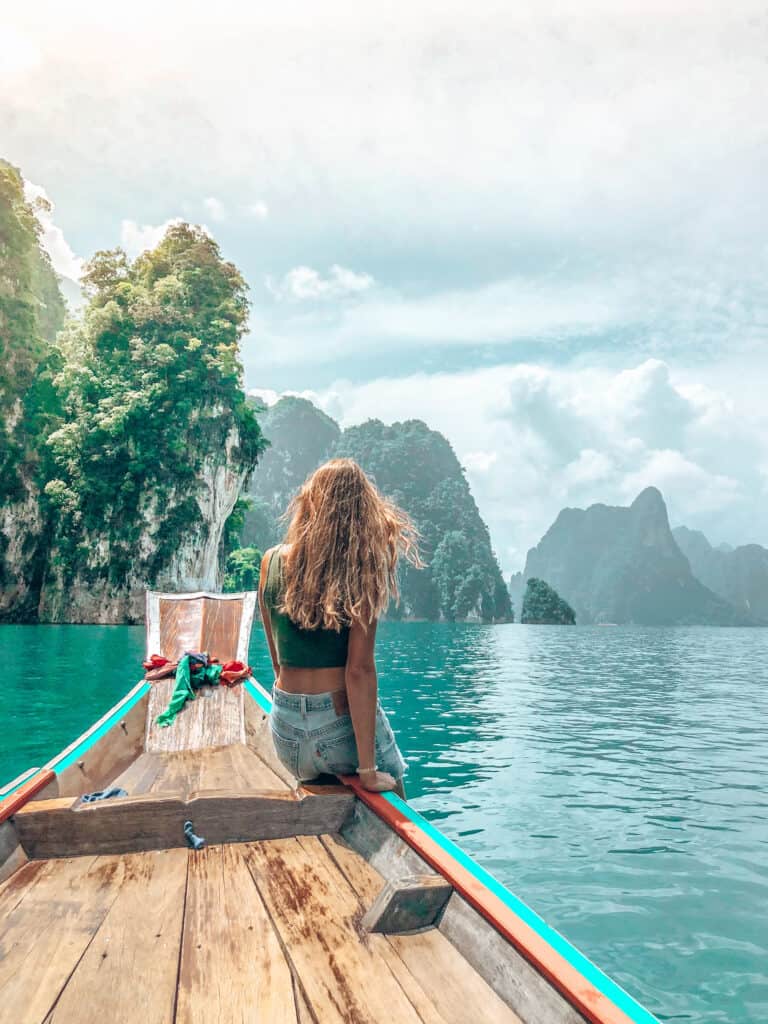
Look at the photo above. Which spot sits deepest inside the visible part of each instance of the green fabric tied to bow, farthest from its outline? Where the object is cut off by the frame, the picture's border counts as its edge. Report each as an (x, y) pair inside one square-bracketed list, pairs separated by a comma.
[(187, 681)]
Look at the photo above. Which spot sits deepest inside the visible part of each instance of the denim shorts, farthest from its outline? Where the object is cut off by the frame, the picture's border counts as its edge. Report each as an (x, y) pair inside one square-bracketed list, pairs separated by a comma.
[(312, 737)]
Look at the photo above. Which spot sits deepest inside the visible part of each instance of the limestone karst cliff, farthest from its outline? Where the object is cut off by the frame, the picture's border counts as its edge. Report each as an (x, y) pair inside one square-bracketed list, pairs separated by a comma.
[(622, 564)]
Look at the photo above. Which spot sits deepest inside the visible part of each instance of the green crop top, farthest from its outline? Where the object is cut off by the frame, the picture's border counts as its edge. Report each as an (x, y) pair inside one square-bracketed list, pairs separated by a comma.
[(297, 647)]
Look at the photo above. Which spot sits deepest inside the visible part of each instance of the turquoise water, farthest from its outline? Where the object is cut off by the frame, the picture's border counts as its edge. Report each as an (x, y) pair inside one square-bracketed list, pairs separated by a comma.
[(615, 779)]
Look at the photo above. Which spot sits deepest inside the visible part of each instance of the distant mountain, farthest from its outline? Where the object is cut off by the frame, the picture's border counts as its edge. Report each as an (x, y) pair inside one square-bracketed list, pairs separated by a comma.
[(740, 575), (617, 564), (300, 436), (411, 464)]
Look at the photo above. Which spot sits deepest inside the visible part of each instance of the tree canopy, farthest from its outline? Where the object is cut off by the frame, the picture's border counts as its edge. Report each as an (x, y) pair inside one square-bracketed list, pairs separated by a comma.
[(32, 310), (152, 385)]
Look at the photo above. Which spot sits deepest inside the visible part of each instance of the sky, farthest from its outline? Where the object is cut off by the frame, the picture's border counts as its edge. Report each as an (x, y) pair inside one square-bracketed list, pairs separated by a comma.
[(540, 227)]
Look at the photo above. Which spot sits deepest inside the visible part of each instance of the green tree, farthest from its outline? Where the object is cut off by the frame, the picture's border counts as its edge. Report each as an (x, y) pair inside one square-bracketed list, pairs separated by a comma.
[(152, 385), (32, 310), (543, 605), (243, 570)]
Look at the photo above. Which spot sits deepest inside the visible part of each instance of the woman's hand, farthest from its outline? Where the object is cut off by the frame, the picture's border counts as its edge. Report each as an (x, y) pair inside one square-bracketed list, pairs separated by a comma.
[(377, 782)]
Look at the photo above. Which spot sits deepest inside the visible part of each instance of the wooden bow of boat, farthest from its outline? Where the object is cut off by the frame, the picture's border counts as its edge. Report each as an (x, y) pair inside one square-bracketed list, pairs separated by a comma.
[(309, 903)]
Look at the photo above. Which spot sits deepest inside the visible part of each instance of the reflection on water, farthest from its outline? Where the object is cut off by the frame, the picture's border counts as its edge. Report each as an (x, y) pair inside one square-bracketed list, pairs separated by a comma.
[(614, 778)]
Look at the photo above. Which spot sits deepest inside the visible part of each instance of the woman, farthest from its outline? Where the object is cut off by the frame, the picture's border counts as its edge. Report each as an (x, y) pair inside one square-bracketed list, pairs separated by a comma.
[(321, 594)]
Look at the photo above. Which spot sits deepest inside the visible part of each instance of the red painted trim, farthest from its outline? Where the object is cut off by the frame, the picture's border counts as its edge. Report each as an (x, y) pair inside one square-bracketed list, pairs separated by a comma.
[(579, 992), (12, 803)]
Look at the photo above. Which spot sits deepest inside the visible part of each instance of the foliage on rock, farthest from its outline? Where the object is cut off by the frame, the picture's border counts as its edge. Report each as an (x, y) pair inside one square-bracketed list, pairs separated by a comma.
[(543, 605), (152, 386), (417, 468)]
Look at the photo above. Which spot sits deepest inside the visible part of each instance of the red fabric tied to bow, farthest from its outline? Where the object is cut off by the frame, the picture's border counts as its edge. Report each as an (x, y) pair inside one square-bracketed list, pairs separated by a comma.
[(234, 672), (155, 661)]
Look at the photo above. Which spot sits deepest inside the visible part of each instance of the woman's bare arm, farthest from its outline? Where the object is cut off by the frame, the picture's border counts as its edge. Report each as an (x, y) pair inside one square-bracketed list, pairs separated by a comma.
[(265, 615), (362, 691)]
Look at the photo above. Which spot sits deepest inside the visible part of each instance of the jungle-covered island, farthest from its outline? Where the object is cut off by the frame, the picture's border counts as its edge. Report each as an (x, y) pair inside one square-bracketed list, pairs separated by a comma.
[(543, 606), (416, 467)]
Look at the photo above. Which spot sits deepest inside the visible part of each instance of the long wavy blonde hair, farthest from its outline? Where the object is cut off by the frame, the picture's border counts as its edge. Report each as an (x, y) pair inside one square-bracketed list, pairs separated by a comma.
[(343, 542)]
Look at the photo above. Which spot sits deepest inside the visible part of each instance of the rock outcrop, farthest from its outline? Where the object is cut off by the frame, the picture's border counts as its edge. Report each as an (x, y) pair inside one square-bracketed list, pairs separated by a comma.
[(417, 468), (740, 575), (622, 565)]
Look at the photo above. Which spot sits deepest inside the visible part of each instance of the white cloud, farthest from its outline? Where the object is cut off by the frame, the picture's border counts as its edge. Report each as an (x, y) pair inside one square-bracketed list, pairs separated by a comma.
[(480, 462), (535, 439), (215, 208), (305, 283), (65, 261), (266, 395), (19, 53), (135, 238), (258, 210)]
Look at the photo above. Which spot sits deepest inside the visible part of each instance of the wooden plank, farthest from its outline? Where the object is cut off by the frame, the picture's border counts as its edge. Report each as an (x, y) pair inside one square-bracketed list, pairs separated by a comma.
[(316, 914), (408, 905), (213, 719), (254, 772), (366, 881), (564, 976), (44, 937), (516, 980), (232, 964), (450, 982), (221, 628), (129, 971), (20, 883), (235, 767), (98, 763), (180, 627), (172, 630), (259, 739), (139, 776), (414, 992), (11, 804), (12, 854), (156, 822)]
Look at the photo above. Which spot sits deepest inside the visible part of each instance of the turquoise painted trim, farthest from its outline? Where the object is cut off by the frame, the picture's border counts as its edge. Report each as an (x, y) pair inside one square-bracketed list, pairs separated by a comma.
[(609, 988), (6, 793), (58, 765), (634, 1010), (259, 694)]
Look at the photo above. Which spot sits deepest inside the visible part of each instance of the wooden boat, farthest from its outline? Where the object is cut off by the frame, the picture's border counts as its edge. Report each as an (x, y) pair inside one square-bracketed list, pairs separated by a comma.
[(308, 903)]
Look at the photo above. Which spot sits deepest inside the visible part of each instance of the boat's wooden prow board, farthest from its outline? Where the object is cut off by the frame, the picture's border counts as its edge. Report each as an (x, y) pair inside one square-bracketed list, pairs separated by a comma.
[(217, 623), (215, 718), (155, 821)]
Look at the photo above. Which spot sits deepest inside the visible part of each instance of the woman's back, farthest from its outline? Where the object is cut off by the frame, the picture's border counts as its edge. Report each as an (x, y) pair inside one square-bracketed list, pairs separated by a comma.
[(298, 647)]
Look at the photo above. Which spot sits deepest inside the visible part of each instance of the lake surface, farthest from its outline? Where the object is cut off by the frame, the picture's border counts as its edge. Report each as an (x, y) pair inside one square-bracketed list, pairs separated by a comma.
[(616, 779)]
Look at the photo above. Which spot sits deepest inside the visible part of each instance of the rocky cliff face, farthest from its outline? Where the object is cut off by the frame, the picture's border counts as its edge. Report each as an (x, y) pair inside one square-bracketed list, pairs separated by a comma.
[(417, 468), (193, 562), (21, 556), (740, 575), (622, 565)]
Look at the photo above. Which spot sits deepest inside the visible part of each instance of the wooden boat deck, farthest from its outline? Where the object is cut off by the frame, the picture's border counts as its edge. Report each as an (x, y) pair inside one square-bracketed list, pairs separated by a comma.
[(309, 904), (237, 769), (266, 931)]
